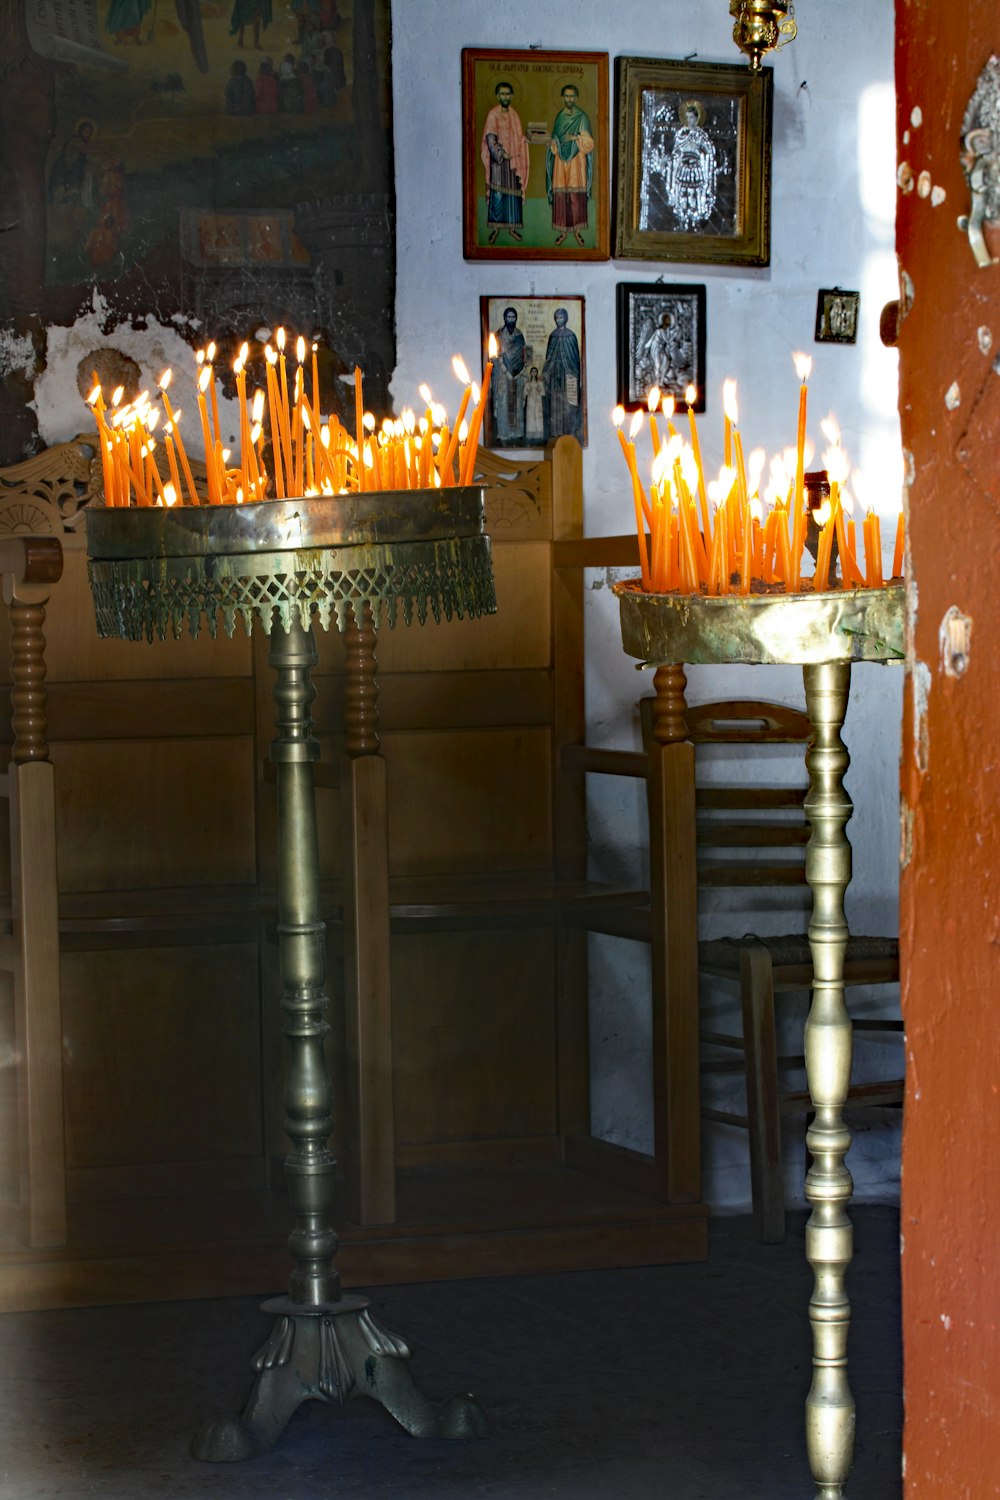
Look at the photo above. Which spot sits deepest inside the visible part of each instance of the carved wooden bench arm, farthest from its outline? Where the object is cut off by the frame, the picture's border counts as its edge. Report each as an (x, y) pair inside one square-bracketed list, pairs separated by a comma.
[(29, 565)]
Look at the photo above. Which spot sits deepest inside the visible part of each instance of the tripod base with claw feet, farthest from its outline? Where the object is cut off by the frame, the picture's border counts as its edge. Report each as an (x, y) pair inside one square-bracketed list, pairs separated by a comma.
[(331, 1353)]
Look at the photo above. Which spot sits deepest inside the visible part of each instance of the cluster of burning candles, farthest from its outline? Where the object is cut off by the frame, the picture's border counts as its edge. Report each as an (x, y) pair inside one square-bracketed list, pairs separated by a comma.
[(310, 454), (717, 537)]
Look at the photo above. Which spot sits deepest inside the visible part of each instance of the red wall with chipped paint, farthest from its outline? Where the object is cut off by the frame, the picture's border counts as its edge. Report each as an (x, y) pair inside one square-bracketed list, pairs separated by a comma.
[(950, 890)]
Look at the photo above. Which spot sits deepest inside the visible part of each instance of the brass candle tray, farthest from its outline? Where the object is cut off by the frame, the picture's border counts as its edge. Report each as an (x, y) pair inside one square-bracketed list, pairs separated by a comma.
[(841, 625), (405, 553)]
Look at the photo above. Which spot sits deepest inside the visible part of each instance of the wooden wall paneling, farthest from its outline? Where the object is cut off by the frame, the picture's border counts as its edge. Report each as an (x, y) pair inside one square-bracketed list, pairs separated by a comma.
[(473, 1038), (155, 813), (162, 1050)]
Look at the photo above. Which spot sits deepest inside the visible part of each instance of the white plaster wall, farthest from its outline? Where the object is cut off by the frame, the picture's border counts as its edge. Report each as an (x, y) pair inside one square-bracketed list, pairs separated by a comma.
[(832, 224)]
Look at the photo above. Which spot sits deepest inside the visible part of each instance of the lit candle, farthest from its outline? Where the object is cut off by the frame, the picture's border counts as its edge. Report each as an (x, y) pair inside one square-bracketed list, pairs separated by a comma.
[(274, 410), (214, 489), (652, 402), (359, 418), (728, 406), (446, 467), (803, 368), (210, 358), (642, 512), (667, 406), (472, 446)]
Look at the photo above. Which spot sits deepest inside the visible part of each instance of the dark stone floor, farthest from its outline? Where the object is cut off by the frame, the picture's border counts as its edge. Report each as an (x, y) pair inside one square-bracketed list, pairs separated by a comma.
[(685, 1382)]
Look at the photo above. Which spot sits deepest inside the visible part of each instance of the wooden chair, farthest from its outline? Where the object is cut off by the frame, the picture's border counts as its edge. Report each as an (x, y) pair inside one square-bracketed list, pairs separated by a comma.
[(703, 838), (754, 837)]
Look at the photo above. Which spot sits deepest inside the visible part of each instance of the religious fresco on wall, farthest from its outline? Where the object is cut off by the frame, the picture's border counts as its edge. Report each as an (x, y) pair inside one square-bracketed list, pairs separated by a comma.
[(228, 161)]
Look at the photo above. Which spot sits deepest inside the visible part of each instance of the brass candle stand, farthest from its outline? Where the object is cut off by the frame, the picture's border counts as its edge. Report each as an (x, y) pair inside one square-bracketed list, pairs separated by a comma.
[(351, 562), (824, 633)]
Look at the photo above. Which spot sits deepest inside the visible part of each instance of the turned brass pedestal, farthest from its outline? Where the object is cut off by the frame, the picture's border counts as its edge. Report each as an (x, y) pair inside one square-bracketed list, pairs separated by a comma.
[(824, 633), (350, 562)]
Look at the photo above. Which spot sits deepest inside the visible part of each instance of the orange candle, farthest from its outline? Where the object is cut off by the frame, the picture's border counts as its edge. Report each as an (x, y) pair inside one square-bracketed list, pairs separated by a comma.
[(274, 411), (803, 368), (472, 445), (359, 417), (850, 573), (214, 496), (821, 578), (746, 551), (897, 556)]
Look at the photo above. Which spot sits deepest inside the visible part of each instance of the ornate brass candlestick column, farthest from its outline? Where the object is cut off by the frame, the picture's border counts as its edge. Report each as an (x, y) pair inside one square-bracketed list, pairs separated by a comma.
[(371, 557), (824, 633)]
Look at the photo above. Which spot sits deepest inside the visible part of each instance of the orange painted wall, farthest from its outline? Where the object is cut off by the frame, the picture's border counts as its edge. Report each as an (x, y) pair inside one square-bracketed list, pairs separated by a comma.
[(950, 890)]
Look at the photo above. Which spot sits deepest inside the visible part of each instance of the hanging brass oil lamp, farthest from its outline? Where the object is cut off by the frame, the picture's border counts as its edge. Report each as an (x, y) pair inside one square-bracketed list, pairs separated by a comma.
[(762, 26)]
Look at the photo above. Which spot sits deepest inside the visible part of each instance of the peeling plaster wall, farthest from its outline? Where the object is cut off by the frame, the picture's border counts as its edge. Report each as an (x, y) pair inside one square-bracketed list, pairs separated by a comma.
[(832, 224), (153, 345)]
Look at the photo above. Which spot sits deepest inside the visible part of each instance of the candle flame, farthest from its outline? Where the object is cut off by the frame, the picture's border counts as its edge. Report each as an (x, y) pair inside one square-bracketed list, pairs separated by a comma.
[(270, 355), (727, 478), (169, 494), (95, 393), (618, 415), (691, 395), (439, 414), (257, 406), (803, 366), (244, 352), (117, 394), (755, 468), (476, 393), (822, 513), (425, 393), (492, 346), (635, 426), (460, 368), (300, 349), (673, 449), (255, 433), (830, 429), (204, 378), (836, 465), (164, 379), (306, 418), (279, 339), (689, 467), (210, 352), (729, 404), (199, 356), (661, 465), (368, 421), (653, 399), (409, 420), (668, 404), (756, 510), (463, 432)]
